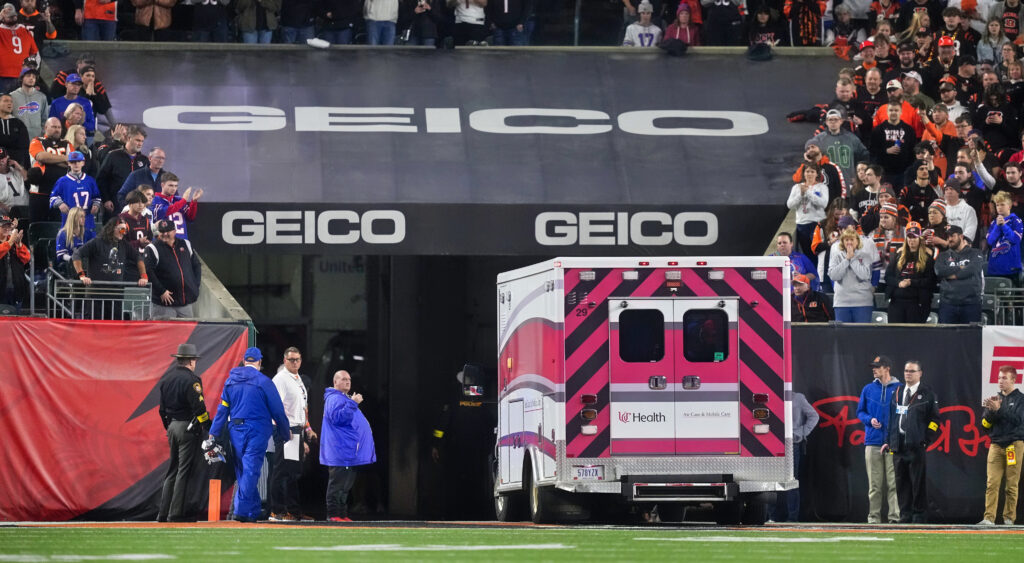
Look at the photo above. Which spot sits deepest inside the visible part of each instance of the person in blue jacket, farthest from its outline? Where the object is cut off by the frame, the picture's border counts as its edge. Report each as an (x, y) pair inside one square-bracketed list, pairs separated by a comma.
[(873, 411), (253, 405), (1003, 238), (346, 442)]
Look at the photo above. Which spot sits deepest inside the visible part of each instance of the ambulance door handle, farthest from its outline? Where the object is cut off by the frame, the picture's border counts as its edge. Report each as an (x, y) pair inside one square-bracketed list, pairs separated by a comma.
[(657, 382)]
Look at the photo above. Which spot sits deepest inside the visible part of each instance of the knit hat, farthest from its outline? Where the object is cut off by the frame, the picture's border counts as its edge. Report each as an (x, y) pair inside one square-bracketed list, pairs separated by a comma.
[(890, 209), (683, 7), (645, 7), (940, 205)]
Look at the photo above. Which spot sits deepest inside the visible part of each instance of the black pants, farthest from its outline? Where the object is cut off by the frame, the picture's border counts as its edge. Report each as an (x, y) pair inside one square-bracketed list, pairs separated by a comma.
[(339, 483), (907, 312), (184, 447), (911, 486), (284, 482)]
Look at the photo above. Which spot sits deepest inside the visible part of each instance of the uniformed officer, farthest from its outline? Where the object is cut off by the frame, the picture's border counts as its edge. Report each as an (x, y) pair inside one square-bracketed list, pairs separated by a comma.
[(183, 412), (254, 405)]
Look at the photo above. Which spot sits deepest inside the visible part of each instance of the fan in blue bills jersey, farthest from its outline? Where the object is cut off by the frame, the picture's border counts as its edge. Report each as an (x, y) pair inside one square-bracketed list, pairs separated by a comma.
[(76, 189)]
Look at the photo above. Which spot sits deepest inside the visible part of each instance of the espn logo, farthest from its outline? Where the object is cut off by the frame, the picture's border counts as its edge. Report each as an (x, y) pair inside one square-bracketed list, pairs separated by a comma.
[(1006, 356)]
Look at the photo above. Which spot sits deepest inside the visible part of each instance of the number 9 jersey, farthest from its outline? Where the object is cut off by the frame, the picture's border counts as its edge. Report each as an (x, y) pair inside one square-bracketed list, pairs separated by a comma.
[(16, 44)]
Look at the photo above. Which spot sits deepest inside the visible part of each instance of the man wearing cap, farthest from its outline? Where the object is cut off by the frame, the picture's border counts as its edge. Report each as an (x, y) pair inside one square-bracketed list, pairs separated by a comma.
[(913, 424), (948, 99), (30, 104), (912, 93), (873, 411), (175, 272), (71, 96), (183, 413), (76, 189), (14, 256), (906, 62), (843, 148), (944, 64), (892, 145), (16, 43), (960, 271), (908, 113), (868, 62), (810, 306), (253, 405), (642, 33)]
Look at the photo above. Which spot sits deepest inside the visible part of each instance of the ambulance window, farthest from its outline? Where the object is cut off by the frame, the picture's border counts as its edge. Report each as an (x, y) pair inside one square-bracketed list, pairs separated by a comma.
[(705, 335), (641, 335)]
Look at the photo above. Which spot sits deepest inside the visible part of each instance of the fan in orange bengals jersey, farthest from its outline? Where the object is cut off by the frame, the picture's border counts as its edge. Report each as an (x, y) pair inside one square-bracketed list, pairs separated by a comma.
[(16, 43)]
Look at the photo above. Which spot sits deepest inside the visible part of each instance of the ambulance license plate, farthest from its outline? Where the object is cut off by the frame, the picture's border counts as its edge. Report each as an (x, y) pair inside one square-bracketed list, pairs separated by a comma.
[(588, 472)]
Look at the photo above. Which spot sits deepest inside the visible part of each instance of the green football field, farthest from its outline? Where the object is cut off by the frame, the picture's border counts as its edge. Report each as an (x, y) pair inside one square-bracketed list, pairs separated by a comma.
[(390, 543)]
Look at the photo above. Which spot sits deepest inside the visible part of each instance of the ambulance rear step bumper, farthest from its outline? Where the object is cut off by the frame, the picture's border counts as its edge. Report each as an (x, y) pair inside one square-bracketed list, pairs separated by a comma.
[(679, 488)]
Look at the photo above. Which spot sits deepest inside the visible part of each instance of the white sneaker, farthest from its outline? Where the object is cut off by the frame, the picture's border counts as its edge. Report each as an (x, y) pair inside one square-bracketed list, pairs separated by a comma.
[(986, 522), (1005, 523)]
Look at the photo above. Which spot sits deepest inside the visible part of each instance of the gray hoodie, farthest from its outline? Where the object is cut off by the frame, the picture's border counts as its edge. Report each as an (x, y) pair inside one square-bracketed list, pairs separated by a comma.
[(852, 278), (969, 266), (32, 110)]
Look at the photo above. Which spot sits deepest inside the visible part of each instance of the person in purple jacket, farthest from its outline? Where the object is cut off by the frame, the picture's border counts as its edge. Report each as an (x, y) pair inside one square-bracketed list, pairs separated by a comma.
[(346, 442)]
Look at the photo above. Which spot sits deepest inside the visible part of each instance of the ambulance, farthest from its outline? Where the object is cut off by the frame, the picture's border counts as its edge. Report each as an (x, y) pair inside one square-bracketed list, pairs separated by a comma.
[(643, 381)]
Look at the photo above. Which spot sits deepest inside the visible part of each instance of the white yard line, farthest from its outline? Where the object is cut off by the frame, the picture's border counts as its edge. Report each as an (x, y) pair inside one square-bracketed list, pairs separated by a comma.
[(758, 539), (399, 547)]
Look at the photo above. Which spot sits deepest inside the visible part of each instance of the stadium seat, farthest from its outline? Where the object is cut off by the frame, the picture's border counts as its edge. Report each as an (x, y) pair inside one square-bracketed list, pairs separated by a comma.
[(879, 317), (42, 229), (994, 283), (881, 302)]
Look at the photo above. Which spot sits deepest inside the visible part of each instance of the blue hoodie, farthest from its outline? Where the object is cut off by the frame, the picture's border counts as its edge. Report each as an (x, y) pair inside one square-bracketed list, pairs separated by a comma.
[(1004, 245), (345, 437), (251, 396), (874, 403)]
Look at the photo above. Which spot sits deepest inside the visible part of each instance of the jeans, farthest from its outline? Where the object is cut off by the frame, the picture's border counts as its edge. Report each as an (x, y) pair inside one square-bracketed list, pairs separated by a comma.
[(257, 36), (217, 33), (787, 503), (338, 36), (959, 314), (296, 35), (339, 483), (854, 314), (99, 30), (510, 37), (380, 32)]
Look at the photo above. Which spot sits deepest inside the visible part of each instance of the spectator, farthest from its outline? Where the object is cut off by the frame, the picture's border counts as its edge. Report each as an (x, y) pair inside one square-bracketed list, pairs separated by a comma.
[(826, 233), (339, 18), (868, 196), (114, 140), (810, 306), (940, 133), (887, 238), (76, 138), (804, 21), (765, 28), (256, 20), (872, 216), (469, 21), (107, 254), (867, 63), (13, 194), (30, 104), (297, 17), (892, 145), (152, 17), (1011, 185), (936, 235), (873, 412), (831, 175), (176, 272), (998, 120), (906, 62), (73, 115), (1010, 13), (508, 21), (347, 444), (798, 262), (922, 152), (959, 269), (809, 199), (36, 22), (94, 91), (180, 210), (1003, 239), (50, 154), (805, 419), (209, 20), (956, 110), (913, 423), (910, 280), (16, 43), (850, 270), (119, 164), (420, 20), (70, 238), (965, 38), (684, 30), (14, 256), (381, 17), (148, 194), (990, 46), (1005, 68), (845, 32), (98, 19), (883, 11), (284, 482), (140, 228), (1003, 420), (71, 96), (13, 133), (842, 146), (151, 174), (723, 22), (642, 33), (919, 195), (908, 113), (871, 96), (76, 189), (59, 86), (968, 84), (958, 212)]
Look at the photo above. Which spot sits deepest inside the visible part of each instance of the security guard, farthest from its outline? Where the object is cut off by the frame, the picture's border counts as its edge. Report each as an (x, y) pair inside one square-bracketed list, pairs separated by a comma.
[(253, 403), (913, 424), (184, 415)]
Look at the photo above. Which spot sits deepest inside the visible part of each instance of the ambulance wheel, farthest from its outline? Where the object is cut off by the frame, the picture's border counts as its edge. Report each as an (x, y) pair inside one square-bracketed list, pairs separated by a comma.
[(672, 511), (756, 511), (540, 498), (728, 513), (508, 507)]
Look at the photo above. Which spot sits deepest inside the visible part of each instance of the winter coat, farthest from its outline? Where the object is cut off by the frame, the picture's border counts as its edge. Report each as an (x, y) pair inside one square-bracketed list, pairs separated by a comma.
[(345, 437), (922, 284), (156, 11), (852, 278), (874, 403)]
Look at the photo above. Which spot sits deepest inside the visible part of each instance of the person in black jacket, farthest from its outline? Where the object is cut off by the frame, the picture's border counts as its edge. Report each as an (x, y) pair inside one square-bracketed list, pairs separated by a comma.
[(419, 21), (183, 413), (176, 273), (1003, 419), (913, 423), (297, 18), (910, 279), (508, 20), (118, 164), (339, 20), (810, 306)]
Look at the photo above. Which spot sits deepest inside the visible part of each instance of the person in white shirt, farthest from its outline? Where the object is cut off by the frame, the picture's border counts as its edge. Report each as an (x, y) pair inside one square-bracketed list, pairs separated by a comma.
[(643, 33), (809, 199), (958, 212), (284, 480)]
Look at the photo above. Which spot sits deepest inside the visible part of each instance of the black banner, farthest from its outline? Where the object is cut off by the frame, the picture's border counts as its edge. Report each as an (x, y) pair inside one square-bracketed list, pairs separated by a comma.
[(467, 229), (830, 366)]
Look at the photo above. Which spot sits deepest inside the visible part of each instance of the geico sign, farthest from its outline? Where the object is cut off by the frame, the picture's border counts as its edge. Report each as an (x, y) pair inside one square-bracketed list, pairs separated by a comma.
[(654, 228), (518, 121), (384, 226)]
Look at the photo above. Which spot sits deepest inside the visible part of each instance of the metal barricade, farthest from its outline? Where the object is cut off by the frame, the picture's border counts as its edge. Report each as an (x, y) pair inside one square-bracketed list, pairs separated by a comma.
[(72, 299), (1009, 306)]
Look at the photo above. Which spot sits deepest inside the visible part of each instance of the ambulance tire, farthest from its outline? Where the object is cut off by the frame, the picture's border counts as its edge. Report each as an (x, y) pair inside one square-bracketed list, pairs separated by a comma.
[(540, 499), (672, 511), (508, 507), (728, 513), (756, 511)]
